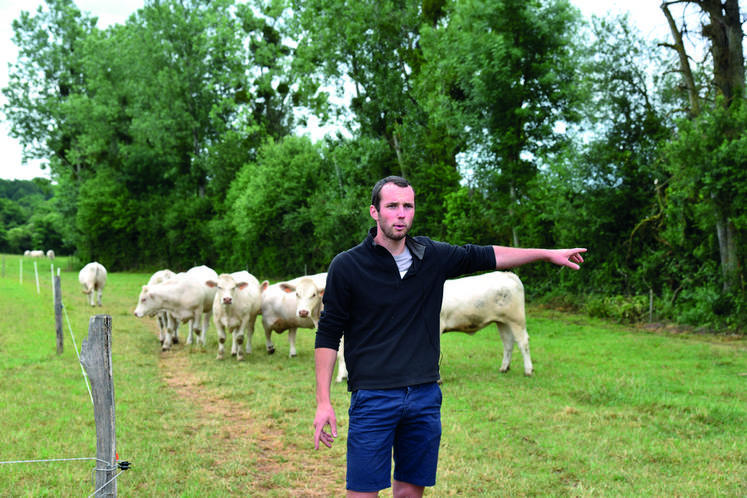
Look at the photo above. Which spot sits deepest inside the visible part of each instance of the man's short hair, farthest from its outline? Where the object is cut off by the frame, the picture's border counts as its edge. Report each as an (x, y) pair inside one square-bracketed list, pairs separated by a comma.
[(376, 194)]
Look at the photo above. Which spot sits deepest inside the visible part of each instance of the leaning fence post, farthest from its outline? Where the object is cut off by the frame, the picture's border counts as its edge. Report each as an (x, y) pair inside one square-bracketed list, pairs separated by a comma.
[(96, 358), (58, 312)]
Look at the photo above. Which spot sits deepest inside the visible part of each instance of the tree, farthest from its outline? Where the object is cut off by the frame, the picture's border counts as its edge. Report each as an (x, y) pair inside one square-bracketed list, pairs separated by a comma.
[(371, 49), (722, 28), (47, 75), (602, 188), (500, 75)]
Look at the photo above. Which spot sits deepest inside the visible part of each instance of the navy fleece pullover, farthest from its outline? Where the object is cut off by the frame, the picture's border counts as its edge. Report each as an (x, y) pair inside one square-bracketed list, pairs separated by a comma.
[(391, 323)]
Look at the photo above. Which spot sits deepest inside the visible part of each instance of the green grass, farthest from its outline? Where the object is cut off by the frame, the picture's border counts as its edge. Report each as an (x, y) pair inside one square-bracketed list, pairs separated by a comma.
[(611, 411)]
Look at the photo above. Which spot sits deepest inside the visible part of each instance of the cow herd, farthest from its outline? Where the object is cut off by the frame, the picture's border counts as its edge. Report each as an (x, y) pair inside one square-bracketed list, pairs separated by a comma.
[(234, 301), (39, 254)]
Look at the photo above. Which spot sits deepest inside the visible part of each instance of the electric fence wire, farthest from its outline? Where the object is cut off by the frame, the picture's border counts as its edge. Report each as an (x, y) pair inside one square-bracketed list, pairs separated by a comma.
[(75, 346), (107, 467), (121, 465)]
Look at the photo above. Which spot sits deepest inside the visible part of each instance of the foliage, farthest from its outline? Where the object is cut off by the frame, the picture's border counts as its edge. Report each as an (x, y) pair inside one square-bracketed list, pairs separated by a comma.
[(28, 219), (628, 310), (375, 55), (290, 199), (706, 161), (500, 76), (170, 142)]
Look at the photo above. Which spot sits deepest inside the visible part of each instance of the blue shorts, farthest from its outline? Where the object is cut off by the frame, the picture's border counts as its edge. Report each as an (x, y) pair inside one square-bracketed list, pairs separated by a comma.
[(404, 423)]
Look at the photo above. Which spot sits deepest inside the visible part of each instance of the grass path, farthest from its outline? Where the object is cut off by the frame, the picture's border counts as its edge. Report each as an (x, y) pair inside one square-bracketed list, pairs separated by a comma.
[(272, 457)]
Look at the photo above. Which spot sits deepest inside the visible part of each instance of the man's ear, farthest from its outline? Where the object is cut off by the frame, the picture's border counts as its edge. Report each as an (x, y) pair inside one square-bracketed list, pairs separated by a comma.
[(374, 213)]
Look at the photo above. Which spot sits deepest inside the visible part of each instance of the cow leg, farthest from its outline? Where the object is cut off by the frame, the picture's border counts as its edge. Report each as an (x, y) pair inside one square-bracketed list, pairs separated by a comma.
[(292, 341), (238, 339), (342, 371), (161, 319), (508, 347), (166, 345), (174, 327), (268, 339), (194, 328), (234, 341), (100, 294), (206, 319), (511, 335), (221, 340), (249, 333)]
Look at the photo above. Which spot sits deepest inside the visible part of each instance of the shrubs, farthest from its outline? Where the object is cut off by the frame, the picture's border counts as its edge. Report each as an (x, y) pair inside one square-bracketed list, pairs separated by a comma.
[(621, 309)]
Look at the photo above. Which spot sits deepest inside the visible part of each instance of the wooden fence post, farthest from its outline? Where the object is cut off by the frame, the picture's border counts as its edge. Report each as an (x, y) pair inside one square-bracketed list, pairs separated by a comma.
[(96, 358), (58, 313)]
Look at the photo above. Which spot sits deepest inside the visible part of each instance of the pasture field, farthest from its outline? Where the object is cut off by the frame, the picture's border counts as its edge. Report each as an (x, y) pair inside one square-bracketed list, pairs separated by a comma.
[(611, 411)]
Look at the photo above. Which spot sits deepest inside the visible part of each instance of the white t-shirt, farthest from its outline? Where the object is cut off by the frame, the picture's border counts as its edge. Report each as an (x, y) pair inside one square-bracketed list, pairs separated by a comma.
[(403, 260)]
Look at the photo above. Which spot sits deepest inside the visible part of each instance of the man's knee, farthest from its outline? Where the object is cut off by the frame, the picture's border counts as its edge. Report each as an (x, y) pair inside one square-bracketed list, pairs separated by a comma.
[(406, 490)]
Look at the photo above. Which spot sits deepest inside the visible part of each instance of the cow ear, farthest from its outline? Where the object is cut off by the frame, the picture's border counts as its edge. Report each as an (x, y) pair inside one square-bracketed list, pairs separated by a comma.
[(287, 288), (242, 285), (321, 292), (211, 283), (264, 286)]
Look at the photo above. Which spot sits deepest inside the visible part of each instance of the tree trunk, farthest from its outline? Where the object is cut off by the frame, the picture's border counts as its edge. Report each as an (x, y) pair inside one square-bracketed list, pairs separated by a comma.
[(727, 246), (514, 201), (687, 74), (725, 33)]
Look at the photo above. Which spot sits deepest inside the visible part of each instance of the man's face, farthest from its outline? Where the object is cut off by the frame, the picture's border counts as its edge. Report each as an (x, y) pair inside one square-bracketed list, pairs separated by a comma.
[(396, 211)]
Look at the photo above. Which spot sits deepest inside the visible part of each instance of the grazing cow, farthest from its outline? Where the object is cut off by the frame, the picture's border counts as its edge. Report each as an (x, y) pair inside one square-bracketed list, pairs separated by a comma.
[(291, 305), (93, 279), (472, 303), (165, 321), (27, 253), (50, 254), (235, 308), (37, 254), (186, 297)]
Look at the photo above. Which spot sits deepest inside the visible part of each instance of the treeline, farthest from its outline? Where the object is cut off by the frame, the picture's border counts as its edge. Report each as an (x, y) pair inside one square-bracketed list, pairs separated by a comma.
[(177, 139), (28, 220)]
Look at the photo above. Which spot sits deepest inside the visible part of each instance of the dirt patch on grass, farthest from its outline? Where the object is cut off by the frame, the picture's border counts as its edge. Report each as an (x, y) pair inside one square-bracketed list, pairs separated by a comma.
[(274, 467)]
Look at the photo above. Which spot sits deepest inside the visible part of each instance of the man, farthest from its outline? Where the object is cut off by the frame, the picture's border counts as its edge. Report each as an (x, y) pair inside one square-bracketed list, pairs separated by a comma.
[(385, 296)]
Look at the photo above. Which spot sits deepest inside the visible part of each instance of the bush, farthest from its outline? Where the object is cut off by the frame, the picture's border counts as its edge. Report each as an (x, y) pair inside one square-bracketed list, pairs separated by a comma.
[(622, 309)]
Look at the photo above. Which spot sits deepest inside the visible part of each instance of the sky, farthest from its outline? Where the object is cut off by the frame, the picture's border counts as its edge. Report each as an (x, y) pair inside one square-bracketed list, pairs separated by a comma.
[(644, 13)]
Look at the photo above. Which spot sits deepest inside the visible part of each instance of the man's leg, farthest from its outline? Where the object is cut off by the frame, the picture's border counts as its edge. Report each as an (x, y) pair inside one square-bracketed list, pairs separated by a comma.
[(417, 441), (358, 494), (373, 418), (406, 490)]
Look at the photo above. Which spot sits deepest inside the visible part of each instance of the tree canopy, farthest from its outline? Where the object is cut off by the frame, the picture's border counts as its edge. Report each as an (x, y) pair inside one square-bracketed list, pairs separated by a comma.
[(173, 139)]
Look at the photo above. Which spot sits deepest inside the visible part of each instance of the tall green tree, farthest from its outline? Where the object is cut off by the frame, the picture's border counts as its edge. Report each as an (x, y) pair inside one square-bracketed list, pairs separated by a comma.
[(603, 188), (47, 75), (371, 50), (501, 74), (722, 29)]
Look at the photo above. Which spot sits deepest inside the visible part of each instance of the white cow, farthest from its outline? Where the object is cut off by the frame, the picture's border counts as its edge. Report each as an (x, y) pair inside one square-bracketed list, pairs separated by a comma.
[(50, 254), (472, 303), (186, 297), (93, 279), (291, 305), (165, 320), (235, 308), (37, 254)]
